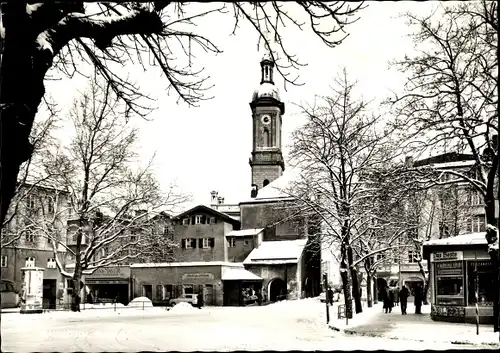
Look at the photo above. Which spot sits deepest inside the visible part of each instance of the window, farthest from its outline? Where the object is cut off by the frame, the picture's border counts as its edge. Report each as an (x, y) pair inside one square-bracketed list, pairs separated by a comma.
[(51, 263), (481, 274), (185, 222), (478, 224), (197, 219), (30, 262), (31, 203), (213, 220), (475, 198), (4, 261), (266, 138), (29, 236), (188, 243), (413, 256), (231, 242), (166, 230), (133, 238), (449, 283), (206, 243), (188, 289), (168, 291), (159, 292), (50, 205), (380, 257)]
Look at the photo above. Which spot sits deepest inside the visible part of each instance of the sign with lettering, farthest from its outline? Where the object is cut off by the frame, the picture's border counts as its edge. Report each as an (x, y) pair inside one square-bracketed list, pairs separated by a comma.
[(111, 272), (447, 256), (449, 268), (105, 281), (187, 276)]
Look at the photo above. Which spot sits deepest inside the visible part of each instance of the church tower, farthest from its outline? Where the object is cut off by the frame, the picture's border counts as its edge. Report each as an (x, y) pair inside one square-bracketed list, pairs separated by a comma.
[(267, 110)]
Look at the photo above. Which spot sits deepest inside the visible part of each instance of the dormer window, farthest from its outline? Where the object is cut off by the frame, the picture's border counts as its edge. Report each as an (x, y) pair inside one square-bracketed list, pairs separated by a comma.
[(197, 219)]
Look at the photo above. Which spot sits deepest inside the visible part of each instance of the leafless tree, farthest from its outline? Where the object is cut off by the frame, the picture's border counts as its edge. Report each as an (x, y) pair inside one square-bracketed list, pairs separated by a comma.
[(38, 37), (451, 98), (339, 142), (113, 204)]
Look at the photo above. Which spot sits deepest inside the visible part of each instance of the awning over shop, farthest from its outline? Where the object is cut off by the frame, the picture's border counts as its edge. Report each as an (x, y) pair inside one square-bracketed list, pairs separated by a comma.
[(239, 274)]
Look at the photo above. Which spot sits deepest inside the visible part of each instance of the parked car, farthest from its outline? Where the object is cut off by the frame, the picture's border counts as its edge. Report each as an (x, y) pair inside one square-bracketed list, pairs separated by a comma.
[(9, 295), (185, 298)]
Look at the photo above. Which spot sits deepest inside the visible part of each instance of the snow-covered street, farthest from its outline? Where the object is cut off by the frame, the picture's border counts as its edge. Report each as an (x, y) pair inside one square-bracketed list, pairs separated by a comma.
[(294, 325)]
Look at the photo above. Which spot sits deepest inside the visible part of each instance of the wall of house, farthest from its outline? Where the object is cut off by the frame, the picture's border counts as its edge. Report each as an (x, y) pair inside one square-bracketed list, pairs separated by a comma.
[(178, 276), (197, 231), (243, 247), (262, 215), (16, 259)]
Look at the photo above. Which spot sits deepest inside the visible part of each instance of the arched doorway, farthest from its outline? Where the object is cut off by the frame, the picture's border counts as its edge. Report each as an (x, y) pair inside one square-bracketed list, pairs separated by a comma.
[(381, 284), (277, 288)]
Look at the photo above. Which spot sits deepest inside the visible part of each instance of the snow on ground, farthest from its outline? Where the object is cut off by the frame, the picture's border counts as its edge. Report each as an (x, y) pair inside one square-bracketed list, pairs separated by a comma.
[(182, 308), (142, 302)]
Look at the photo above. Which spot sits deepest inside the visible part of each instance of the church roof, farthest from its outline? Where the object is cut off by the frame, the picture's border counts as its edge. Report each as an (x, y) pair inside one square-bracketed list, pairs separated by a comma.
[(276, 252), (266, 89), (277, 189)]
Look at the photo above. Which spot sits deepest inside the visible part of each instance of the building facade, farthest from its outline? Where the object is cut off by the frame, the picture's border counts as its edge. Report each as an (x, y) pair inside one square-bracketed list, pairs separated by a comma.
[(37, 215)]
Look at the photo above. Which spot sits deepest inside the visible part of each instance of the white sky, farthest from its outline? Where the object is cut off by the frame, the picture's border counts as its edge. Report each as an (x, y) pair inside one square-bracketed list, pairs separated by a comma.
[(207, 148)]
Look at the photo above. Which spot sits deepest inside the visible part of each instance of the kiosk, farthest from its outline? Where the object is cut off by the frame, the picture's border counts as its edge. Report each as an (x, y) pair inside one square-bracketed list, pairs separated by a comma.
[(32, 290)]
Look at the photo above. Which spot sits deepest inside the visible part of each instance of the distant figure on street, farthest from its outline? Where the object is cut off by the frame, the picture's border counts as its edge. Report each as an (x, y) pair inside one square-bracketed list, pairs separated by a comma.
[(336, 296), (388, 300), (403, 297), (419, 297), (329, 296), (396, 296), (259, 297), (200, 300)]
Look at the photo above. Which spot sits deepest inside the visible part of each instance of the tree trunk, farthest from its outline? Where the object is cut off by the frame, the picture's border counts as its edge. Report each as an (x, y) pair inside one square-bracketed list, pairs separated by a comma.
[(426, 282), (369, 300), (21, 91), (346, 286), (76, 298), (355, 282)]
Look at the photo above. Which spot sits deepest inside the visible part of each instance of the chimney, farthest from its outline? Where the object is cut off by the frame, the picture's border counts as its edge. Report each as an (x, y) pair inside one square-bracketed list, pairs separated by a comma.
[(213, 199), (409, 161), (253, 193), (220, 200)]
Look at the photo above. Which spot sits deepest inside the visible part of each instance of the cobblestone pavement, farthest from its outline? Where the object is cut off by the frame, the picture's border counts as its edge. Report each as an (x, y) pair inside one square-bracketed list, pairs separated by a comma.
[(274, 327)]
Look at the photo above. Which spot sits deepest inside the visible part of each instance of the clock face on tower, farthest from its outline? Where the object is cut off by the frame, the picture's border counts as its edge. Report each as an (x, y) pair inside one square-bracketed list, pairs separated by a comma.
[(266, 119)]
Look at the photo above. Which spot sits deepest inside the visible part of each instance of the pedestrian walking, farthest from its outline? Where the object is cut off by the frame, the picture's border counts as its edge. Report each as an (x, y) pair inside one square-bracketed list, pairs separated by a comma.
[(403, 297), (388, 300), (396, 296), (259, 297), (329, 297), (200, 299), (419, 297)]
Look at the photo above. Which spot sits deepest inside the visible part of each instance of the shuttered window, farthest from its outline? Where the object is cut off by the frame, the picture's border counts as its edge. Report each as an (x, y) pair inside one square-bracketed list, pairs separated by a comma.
[(211, 242)]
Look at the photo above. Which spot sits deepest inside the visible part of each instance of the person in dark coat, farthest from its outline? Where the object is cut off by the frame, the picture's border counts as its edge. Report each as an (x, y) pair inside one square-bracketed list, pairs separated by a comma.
[(259, 297), (388, 300), (200, 300), (419, 297), (403, 298), (329, 296), (396, 296)]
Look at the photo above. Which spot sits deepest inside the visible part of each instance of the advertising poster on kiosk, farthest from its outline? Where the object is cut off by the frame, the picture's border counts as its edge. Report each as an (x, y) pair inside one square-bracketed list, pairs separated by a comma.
[(32, 290)]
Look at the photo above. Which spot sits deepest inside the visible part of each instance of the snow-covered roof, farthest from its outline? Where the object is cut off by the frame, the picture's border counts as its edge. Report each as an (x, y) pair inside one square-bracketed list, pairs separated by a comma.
[(244, 232), (275, 252), (464, 239), (276, 190), (187, 264), (451, 165), (233, 274)]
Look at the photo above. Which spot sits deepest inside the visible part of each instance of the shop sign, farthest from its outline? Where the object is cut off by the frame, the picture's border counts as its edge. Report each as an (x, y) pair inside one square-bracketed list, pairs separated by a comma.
[(449, 268), (187, 276), (105, 281), (447, 256), (111, 272)]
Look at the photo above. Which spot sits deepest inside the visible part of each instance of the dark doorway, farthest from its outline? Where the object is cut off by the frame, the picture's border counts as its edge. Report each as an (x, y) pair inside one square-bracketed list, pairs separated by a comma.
[(147, 291), (381, 284), (208, 295), (49, 293), (277, 290)]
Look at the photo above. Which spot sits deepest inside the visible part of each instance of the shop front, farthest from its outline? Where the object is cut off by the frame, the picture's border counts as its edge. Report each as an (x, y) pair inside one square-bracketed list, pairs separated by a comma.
[(461, 277), (108, 284), (241, 287)]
